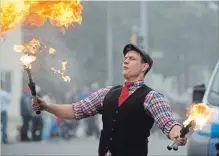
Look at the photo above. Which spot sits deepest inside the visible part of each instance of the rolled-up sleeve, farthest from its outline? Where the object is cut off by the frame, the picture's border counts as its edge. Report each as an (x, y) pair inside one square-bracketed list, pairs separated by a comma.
[(160, 111), (91, 105)]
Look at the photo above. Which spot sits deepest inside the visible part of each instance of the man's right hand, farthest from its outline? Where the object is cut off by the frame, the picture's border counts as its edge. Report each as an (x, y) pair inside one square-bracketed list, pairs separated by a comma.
[(39, 105)]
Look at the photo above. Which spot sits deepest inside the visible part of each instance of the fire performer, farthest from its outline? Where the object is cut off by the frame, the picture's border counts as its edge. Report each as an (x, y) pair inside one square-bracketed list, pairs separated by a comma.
[(128, 111)]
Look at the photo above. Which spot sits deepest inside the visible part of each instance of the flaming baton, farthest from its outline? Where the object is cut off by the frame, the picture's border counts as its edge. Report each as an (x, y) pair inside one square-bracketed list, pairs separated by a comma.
[(32, 87), (29, 55), (198, 116)]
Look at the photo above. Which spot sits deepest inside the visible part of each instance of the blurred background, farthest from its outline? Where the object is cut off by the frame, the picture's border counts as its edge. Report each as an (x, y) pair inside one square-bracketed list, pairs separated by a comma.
[(182, 38)]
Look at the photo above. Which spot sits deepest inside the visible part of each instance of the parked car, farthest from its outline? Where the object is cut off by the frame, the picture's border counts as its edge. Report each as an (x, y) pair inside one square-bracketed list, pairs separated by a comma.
[(205, 142)]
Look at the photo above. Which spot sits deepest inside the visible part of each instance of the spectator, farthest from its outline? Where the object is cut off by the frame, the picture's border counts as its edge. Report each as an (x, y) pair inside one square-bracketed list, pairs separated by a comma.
[(37, 121), (91, 123), (5, 99), (48, 119), (26, 112)]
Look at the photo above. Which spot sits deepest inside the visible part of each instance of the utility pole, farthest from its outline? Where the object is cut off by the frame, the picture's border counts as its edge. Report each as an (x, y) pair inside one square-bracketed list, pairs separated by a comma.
[(144, 24), (109, 45)]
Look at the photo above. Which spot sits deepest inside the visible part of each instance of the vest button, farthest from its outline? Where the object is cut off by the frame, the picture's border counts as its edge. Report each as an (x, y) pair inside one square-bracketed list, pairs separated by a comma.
[(117, 112), (114, 120), (111, 138), (113, 129)]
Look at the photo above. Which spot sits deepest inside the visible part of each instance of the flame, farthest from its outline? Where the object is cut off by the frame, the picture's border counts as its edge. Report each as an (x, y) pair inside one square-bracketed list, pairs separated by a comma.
[(62, 72), (27, 60), (19, 48), (29, 50), (30, 47), (52, 51), (200, 114), (61, 14)]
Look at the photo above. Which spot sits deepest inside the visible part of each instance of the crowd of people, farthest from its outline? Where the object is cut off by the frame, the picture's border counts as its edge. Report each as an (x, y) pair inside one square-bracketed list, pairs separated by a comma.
[(46, 126)]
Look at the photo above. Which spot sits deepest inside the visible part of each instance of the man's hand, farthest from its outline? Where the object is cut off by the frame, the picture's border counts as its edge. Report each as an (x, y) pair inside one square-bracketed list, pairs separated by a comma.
[(60, 110), (175, 135), (39, 105), (181, 141)]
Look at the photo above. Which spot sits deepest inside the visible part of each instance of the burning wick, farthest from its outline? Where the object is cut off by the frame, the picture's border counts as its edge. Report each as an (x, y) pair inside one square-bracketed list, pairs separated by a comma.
[(27, 60)]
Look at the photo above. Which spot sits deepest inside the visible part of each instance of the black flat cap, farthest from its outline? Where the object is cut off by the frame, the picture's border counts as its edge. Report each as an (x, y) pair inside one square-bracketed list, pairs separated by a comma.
[(145, 56)]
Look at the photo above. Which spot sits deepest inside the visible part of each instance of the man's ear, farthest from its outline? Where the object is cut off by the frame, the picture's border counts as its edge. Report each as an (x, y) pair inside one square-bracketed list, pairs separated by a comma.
[(145, 67)]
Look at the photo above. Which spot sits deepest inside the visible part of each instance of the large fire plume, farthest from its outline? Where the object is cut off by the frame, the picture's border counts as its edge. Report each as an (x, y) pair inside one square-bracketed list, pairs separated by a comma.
[(60, 13), (200, 114)]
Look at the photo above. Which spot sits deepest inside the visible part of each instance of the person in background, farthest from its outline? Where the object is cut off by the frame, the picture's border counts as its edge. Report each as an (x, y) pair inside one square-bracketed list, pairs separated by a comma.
[(72, 95), (92, 128), (26, 112), (85, 92), (37, 121), (5, 100), (48, 119)]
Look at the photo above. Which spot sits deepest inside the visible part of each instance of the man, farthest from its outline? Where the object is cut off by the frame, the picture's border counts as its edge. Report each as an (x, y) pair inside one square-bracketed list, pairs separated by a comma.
[(126, 120)]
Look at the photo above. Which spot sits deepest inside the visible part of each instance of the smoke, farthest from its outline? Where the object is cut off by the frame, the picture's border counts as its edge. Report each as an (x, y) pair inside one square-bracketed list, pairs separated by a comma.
[(42, 74)]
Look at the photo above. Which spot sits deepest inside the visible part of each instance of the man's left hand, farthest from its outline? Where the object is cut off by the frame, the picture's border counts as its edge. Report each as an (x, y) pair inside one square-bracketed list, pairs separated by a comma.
[(174, 135), (181, 141)]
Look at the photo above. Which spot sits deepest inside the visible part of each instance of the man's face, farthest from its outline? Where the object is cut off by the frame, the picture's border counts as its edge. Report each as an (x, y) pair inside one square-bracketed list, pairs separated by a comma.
[(133, 65)]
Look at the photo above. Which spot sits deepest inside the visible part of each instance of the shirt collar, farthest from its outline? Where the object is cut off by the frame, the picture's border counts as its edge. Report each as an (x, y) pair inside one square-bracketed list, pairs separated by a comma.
[(138, 83)]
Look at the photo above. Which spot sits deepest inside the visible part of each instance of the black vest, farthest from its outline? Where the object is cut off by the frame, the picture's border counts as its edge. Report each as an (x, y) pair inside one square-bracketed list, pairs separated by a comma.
[(125, 128)]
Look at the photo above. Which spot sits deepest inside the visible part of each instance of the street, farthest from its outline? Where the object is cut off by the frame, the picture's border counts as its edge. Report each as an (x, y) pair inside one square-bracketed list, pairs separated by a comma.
[(82, 146)]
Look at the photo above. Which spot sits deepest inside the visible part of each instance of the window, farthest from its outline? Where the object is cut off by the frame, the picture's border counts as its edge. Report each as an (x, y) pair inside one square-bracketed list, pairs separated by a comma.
[(213, 97)]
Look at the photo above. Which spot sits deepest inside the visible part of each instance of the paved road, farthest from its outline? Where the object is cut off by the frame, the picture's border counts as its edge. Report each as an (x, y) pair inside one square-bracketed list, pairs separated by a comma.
[(81, 147)]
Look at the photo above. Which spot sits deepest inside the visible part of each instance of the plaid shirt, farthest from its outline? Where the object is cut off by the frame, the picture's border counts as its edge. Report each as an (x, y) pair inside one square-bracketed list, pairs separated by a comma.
[(154, 102)]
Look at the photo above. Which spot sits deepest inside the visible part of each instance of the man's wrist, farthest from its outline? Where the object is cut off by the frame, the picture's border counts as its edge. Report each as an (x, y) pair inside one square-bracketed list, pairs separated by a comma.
[(45, 107)]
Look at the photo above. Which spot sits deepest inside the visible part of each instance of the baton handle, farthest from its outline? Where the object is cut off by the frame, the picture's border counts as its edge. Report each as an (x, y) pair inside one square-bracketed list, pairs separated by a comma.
[(170, 146), (36, 101), (33, 92), (32, 87), (183, 133)]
